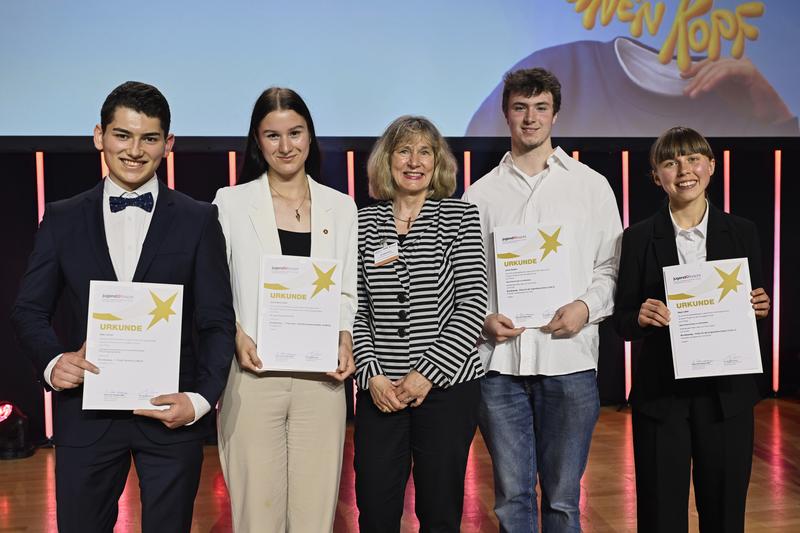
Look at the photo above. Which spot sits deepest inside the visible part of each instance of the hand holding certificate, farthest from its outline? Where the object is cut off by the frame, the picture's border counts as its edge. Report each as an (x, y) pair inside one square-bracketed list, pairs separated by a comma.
[(134, 337), (298, 313), (533, 273), (713, 326)]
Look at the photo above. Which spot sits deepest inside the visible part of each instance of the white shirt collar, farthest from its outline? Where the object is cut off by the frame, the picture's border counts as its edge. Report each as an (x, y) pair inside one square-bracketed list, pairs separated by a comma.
[(112, 189), (558, 156), (701, 228)]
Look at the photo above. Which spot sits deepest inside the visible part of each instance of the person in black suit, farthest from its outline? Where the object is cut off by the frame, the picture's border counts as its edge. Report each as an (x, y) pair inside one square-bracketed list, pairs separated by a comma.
[(698, 425), (129, 227)]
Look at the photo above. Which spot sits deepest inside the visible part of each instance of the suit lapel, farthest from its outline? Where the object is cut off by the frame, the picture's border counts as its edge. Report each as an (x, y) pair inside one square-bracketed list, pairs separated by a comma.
[(93, 211), (322, 224), (718, 238), (664, 239), (262, 216), (159, 228), (427, 217)]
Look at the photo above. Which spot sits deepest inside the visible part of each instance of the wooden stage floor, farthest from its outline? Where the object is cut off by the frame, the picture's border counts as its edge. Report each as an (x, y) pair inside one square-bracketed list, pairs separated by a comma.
[(27, 502)]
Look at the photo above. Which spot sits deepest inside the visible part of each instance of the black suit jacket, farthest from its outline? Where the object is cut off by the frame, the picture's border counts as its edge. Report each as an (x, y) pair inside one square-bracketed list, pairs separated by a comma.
[(647, 247), (184, 245)]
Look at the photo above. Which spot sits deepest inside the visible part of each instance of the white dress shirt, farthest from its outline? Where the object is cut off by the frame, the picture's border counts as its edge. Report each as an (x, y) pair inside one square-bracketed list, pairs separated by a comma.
[(691, 243), (570, 194), (125, 233)]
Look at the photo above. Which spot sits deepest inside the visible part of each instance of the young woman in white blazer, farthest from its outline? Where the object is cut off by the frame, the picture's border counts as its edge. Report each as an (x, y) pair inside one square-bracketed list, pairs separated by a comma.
[(281, 434)]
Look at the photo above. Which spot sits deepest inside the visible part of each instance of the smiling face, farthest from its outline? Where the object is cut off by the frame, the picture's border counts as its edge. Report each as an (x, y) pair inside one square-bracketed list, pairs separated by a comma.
[(412, 164), (684, 178), (530, 121), (284, 141), (133, 145)]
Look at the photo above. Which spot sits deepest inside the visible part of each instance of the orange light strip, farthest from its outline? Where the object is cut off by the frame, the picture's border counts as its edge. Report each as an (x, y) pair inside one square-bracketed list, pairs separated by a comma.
[(467, 169), (776, 277), (625, 223), (351, 190), (231, 168), (726, 180), (576, 155), (103, 166), (171, 170), (48, 398)]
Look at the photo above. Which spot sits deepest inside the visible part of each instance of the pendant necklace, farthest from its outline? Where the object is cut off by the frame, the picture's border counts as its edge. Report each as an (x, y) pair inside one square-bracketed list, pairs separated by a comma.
[(296, 209)]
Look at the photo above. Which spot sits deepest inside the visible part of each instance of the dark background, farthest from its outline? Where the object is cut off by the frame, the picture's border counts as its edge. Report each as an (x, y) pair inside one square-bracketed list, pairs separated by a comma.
[(71, 165)]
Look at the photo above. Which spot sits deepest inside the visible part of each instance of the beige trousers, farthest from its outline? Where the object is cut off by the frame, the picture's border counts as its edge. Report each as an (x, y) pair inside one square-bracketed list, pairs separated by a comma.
[(281, 437)]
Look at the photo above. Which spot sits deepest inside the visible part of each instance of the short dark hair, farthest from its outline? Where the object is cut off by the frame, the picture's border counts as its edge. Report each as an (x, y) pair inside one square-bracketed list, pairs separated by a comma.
[(139, 97), (277, 99), (531, 82), (676, 142)]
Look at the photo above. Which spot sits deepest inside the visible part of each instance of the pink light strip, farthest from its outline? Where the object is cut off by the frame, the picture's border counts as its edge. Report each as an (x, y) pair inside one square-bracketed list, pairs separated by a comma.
[(231, 168), (171, 170), (467, 169), (576, 155), (351, 189), (625, 224), (776, 277), (48, 398), (40, 185), (103, 166), (726, 180)]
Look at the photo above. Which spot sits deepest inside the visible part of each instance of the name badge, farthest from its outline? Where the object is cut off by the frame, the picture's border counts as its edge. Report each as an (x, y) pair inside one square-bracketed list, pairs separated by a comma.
[(386, 254)]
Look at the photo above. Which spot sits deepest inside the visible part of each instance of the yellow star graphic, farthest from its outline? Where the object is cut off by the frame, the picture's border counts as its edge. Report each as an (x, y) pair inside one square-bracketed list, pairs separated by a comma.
[(730, 282), (163, 309), (550, 243), (324, 279)]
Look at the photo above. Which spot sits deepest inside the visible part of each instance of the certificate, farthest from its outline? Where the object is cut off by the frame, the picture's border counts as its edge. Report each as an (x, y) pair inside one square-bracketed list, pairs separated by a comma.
[(134, 337), (298, 313), (713, 325), (533, 273)]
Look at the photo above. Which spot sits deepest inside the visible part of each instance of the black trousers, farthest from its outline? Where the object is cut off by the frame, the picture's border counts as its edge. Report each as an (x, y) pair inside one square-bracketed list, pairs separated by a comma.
[(719, 452), (436, 438), (90, 480)]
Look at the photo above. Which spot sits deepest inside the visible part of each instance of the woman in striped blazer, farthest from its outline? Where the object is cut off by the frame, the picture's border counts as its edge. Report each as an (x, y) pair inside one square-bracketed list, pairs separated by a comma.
[(421, 303)]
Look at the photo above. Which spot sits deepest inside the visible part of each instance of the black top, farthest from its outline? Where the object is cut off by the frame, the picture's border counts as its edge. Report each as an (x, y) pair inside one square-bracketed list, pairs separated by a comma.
[(401, 237), (295, 243)]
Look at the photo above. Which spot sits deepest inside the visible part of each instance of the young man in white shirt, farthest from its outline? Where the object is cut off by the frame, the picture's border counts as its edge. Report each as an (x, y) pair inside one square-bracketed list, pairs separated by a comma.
[(129, 227), (540, 398)]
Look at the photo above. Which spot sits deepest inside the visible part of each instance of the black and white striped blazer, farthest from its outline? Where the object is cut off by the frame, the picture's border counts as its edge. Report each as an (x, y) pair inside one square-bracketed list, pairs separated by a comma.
[(425, 310)]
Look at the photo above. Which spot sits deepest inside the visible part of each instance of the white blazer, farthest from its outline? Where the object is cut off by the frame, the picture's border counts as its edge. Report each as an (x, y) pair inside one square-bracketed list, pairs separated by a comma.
[(248, 222)]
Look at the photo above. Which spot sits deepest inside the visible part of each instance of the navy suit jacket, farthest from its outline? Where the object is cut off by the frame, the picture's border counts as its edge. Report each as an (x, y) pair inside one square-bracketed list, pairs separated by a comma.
[(184, 245), (647, 247)]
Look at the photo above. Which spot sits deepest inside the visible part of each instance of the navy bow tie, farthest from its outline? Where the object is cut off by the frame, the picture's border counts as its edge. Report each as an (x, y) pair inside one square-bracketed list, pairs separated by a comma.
[(118, 203)]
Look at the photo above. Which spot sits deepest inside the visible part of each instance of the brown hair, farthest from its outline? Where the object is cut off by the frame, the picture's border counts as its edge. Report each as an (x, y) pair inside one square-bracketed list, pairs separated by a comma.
[(531, 82), (676, 142)]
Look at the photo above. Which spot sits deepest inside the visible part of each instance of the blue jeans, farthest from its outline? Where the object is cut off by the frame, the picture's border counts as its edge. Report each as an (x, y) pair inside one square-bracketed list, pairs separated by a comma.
[(538, 425)]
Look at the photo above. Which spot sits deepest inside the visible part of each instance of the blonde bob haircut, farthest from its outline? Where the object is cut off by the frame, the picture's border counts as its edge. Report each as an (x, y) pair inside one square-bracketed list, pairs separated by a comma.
[(403, 130)]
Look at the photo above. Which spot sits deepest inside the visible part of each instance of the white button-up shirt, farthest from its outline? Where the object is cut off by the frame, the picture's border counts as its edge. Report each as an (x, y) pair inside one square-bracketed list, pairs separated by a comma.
[(691, 243), (126, 229), (570, 194)]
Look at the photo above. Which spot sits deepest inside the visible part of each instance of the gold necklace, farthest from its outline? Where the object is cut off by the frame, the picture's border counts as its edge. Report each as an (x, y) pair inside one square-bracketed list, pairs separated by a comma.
[(408, 220), (296, 209)]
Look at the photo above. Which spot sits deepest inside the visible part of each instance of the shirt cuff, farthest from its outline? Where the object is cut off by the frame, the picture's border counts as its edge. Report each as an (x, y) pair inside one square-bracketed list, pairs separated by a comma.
[(200, 404), (48, 371)]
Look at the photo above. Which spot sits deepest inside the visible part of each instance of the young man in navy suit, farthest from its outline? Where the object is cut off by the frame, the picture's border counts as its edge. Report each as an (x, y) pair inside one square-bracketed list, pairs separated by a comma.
[(130, 227)]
